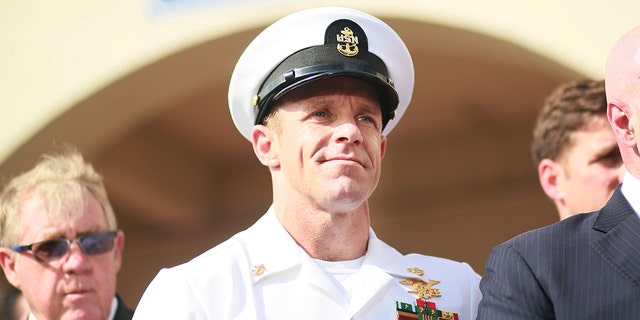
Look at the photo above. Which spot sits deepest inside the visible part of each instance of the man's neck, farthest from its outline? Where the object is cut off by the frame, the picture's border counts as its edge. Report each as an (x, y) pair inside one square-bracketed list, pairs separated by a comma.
[(328, 236)]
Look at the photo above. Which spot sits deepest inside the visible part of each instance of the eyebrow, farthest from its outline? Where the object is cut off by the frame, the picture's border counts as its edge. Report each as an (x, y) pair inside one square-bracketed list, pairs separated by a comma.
[(60, 235), (322, 102)]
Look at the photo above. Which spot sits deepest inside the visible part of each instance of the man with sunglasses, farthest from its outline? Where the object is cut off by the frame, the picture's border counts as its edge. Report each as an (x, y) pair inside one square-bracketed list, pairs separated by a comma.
[(59, 241)]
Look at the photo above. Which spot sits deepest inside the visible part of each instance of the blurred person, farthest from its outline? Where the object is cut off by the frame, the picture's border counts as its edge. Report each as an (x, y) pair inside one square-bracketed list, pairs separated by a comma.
[(585, 266), (316, 93), (579, 164), (60, 242)]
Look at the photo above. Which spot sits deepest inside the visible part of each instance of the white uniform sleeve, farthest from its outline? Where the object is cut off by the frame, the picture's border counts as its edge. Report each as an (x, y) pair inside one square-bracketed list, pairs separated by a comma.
[(168, 296)]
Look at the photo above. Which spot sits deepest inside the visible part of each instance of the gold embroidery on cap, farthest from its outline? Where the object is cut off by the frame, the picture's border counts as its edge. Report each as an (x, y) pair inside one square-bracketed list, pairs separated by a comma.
[(258, 270), (347, 42)]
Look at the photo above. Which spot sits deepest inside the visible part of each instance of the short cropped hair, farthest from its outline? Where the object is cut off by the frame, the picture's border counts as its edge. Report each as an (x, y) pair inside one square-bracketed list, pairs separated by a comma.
[(569, 108), (61, 179)]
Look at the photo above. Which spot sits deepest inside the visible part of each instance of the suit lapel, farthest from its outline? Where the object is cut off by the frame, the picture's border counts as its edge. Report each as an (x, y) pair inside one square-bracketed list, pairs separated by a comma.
[(620, 243), (122, 312)]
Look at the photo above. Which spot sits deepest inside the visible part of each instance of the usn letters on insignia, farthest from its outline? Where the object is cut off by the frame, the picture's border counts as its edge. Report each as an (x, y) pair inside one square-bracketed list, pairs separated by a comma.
[(347, 42)]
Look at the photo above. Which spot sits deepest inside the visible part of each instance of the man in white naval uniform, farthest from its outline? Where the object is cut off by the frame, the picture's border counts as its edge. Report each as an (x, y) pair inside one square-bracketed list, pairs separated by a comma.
[(316, 94)]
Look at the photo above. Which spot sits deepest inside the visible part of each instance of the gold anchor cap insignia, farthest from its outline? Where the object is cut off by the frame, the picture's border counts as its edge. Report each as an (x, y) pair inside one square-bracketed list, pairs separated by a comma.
[(347, 42), (424, 290)]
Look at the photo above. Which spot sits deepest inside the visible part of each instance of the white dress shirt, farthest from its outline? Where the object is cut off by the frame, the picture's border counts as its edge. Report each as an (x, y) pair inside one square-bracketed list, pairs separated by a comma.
[(630, 187)]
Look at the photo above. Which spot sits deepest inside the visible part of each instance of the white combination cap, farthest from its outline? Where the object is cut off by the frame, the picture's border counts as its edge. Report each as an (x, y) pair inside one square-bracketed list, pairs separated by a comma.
[(314, 44)]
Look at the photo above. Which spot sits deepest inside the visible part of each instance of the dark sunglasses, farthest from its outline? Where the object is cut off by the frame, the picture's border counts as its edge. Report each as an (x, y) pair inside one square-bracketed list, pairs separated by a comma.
[(90, 244)]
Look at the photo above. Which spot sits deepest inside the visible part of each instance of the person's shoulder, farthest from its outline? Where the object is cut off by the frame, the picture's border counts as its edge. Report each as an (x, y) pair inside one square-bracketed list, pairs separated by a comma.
[(222, 257), (420, 261), (433, 260), (570, 228), (451, 275), (440, 265)]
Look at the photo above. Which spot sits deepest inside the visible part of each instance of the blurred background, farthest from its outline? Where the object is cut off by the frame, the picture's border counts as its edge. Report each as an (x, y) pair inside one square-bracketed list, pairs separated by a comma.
[(140, 88)]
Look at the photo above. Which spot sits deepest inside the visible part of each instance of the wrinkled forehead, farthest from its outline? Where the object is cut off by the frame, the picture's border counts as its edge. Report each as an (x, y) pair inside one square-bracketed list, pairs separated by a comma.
[(53, 202), (65, 211)]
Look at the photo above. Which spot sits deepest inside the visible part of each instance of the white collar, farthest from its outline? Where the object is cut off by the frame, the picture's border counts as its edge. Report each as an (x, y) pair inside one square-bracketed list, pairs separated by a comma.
[(631, 187)]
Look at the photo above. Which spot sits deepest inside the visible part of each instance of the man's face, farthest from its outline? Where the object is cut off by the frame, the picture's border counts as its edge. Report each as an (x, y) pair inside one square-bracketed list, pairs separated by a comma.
[(76, 285), (329, 144), (591, 168)]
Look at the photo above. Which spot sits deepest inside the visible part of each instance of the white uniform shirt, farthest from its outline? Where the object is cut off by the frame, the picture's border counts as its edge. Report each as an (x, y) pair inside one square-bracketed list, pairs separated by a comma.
[(261, 273)]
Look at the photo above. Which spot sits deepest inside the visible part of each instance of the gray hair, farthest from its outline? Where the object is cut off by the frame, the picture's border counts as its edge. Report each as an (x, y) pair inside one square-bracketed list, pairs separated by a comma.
[(61, 179)]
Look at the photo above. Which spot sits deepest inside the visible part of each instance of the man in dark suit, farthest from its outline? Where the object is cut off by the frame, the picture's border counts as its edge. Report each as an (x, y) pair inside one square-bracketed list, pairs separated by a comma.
[(60, 244), (586, 266)]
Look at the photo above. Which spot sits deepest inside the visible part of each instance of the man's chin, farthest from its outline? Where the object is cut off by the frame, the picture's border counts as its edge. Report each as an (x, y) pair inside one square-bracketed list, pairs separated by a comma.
[(345, 203), (82, 308), (83, 313)]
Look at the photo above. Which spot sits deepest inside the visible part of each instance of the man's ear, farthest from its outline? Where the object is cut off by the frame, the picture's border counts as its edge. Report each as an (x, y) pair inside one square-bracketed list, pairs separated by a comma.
[(265, 145), (619, 117), (8, 263), (383, 147), (119, 248), (548, 173)]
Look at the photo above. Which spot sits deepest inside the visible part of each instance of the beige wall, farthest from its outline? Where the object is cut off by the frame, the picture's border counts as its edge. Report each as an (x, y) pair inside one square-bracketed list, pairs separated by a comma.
[(55, 53)]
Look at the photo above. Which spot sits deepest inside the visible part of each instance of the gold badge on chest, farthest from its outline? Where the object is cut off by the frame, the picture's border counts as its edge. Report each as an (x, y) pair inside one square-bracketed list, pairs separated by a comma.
[(424, 290)]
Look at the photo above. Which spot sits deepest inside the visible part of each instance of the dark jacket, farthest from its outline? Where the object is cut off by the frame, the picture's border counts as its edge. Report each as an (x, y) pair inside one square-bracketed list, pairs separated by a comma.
[(584, 267), (122, 312)]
